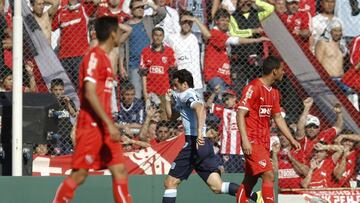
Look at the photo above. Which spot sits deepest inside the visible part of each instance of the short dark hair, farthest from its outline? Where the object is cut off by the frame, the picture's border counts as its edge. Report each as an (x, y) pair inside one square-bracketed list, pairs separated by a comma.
[(221, 13), (185, 13), (127, 86), (184, 75), (57, 82), (271, 63), (104, 26), (32, 2), (160, 29), (132, 2)]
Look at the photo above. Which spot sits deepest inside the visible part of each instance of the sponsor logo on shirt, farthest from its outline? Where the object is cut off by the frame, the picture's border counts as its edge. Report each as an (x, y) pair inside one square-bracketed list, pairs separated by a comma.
[(71, 22), (265, 110), (157, 69)]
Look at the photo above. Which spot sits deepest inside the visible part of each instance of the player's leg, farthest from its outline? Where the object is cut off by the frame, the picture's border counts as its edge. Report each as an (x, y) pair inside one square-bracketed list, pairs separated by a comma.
[(245, 190), (170, 184), (180, 170), (268, 186), (218, 186), (66, 189), (120, 183)]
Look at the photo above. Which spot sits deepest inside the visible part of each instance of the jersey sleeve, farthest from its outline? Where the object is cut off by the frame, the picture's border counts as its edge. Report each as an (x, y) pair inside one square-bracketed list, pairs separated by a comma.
[(56, 20), (218, 39), (190, 99), (249, 97), (276, 108), (171, 58), (91, 70)]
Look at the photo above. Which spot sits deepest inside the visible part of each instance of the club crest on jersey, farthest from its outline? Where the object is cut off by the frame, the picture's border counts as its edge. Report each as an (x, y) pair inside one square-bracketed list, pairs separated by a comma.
[(89, 159), (265, 110), (262, 163), (164, 59)]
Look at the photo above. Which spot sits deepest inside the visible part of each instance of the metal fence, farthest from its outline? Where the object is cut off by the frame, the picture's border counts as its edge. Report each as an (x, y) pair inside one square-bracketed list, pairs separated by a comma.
[(57, 35)]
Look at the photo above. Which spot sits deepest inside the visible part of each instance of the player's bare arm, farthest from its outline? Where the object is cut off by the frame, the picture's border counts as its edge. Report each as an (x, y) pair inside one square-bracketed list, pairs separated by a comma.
[(280, 122), (200, 115), (308, 102), (240, 118), (92, 98)]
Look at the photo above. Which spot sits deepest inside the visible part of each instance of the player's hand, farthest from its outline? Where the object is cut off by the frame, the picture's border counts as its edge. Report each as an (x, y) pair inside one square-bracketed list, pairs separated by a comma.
[(217, 89), (296, 145), (258, 30), (247, 149), (200, 141), (275, 147), (29, 67), (114, 132), (168, 95), (337, 108), (308, 102)]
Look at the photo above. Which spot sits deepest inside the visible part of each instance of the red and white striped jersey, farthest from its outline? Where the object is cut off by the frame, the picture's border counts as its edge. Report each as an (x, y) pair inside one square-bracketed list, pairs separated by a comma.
[(230, 140)]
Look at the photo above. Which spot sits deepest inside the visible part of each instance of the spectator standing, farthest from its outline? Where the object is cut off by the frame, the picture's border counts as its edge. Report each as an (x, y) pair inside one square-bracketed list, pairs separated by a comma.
[(321, 21), (72, 20), (330, 52), (217, 63), (245, 58), (349, 17), (230, 140), (198, 8), (259, 102), (297, 22), (67, 112), (44, 18), (157, 61), (140, 38), (170, 23), (186, 48), (95, 128), (308, 128)]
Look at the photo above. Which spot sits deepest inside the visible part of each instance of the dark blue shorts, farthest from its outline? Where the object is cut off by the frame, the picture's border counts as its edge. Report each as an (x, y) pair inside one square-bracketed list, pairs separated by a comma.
[(202, 160)]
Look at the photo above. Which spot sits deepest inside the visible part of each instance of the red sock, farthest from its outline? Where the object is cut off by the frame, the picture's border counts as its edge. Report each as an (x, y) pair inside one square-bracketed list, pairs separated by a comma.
[(121, 192), (65, 191), (241, 195), (268, 192)]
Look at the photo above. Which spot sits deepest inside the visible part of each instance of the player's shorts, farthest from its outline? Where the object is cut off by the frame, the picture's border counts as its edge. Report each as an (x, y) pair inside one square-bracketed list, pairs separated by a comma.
[(95, 150), (202, 160), (259, 160)]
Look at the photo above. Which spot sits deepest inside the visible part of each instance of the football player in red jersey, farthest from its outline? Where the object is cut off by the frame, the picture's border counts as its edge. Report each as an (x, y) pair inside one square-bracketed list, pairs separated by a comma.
[(97, 138), (260, 101)]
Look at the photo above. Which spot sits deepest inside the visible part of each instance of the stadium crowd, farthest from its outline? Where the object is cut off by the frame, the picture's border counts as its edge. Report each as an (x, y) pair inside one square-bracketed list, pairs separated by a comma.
[(222, 43)]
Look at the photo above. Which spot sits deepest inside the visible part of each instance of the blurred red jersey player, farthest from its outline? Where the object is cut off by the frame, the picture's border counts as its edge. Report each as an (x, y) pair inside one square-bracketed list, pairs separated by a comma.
[(260, 101), (97, 138)]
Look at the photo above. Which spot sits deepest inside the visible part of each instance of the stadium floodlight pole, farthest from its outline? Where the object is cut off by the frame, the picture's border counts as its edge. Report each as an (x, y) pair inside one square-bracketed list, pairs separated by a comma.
[(17, 97)]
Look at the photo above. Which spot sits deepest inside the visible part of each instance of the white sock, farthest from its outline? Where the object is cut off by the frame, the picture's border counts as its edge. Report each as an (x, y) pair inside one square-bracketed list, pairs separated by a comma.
[(225, 187), (170, 193)]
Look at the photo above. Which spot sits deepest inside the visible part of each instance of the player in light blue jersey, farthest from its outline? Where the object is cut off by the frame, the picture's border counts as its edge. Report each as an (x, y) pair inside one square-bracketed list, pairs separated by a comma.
[(198, 152)]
